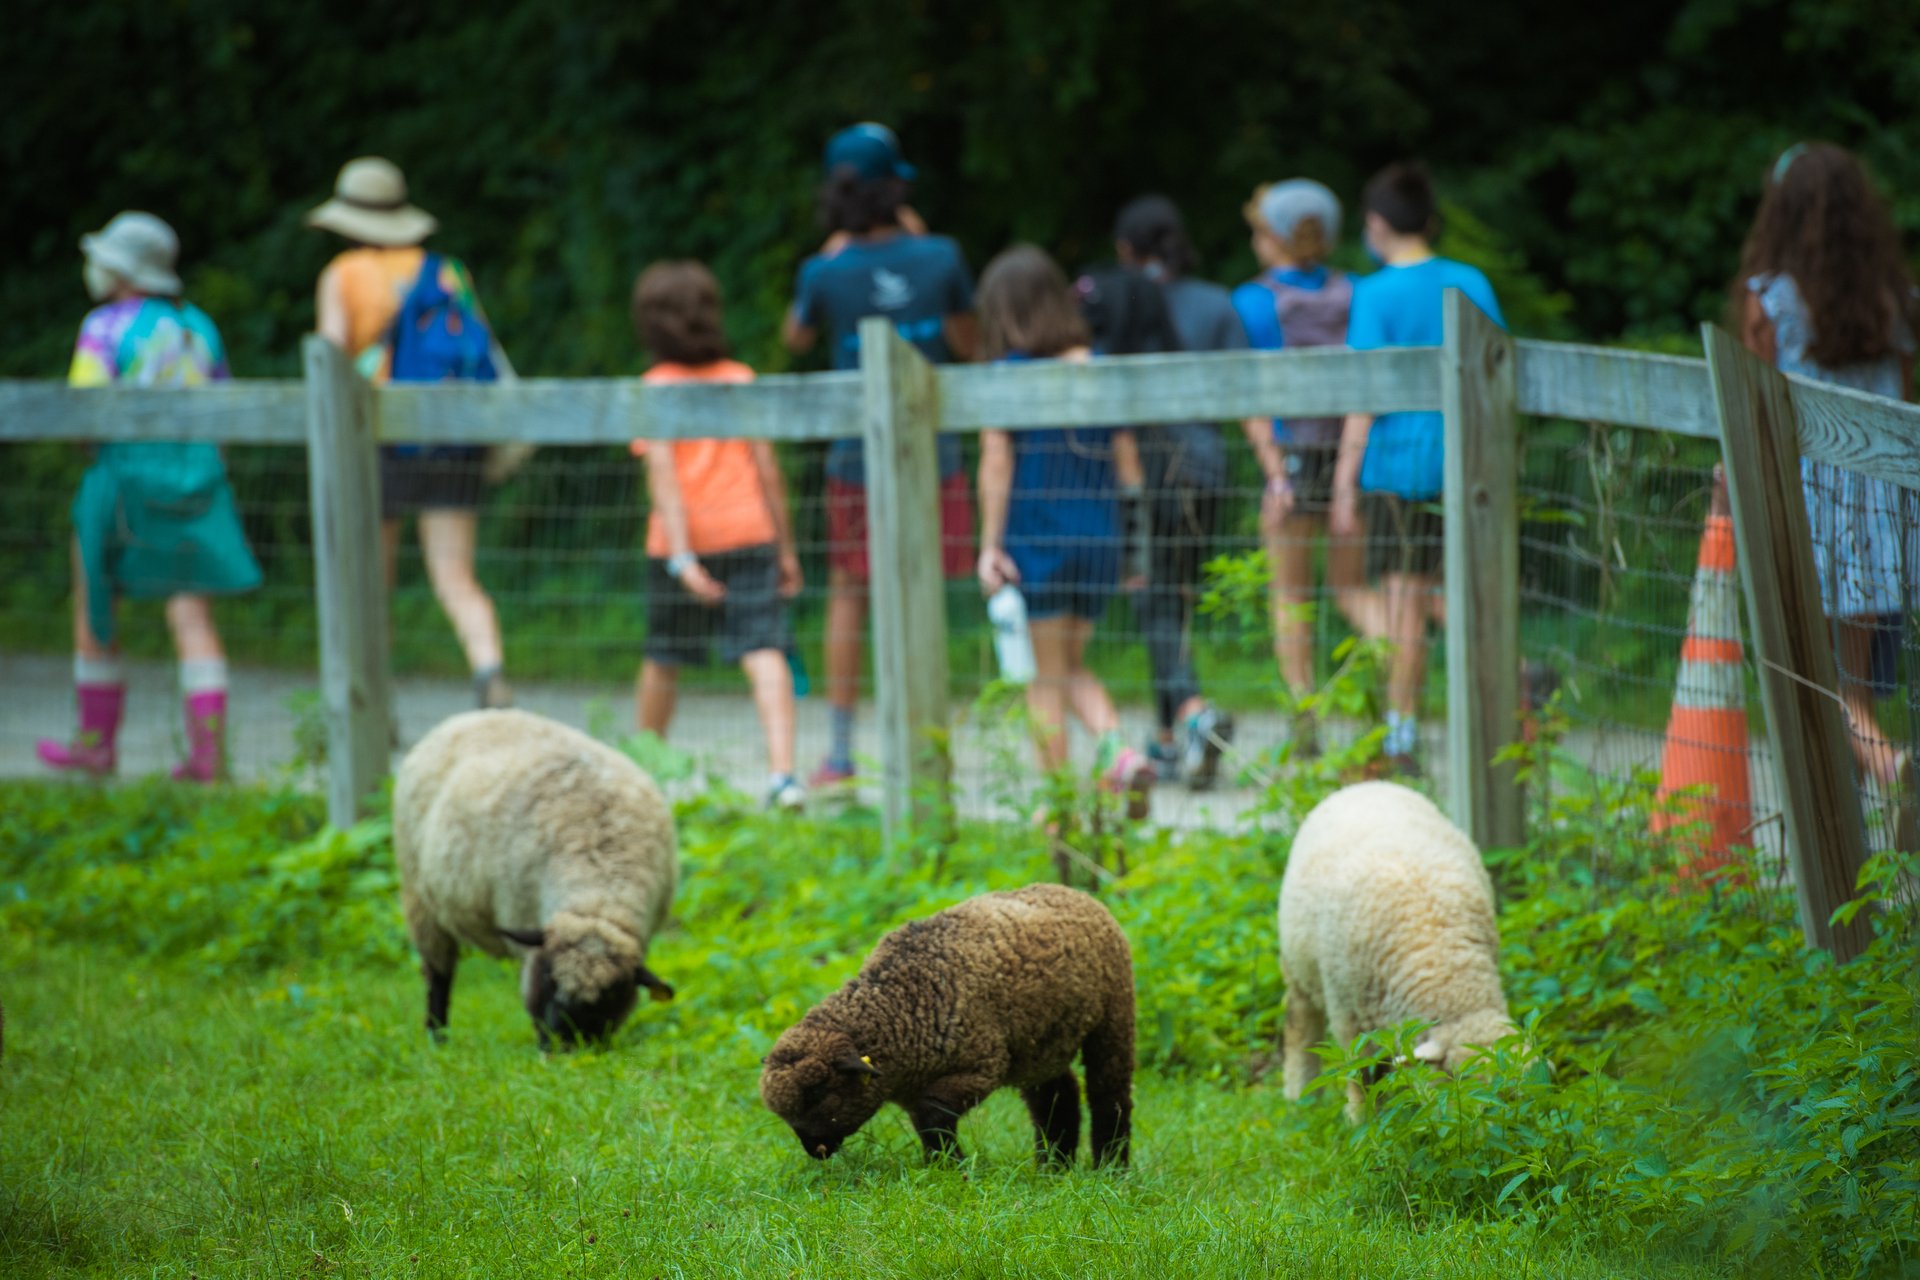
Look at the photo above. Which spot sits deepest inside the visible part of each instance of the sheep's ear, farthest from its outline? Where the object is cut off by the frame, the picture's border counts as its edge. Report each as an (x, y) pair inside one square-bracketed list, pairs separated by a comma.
[(657, 988), (1429, 1051), (535, 938), (855, 1064)]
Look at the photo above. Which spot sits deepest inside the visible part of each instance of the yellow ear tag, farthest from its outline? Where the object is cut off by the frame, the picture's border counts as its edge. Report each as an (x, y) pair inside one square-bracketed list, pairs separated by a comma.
[(864, 1058)]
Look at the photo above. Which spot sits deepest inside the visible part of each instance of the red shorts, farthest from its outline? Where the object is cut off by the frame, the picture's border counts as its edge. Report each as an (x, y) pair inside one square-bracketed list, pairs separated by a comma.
[(847, 528)]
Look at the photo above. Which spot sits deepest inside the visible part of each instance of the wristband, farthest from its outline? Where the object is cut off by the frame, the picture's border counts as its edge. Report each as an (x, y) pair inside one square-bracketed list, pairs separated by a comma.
[(1277, 485), (680, 562)]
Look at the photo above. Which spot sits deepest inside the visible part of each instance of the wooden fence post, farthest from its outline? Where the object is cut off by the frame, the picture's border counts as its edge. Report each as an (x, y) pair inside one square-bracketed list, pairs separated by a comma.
[(349, 584), (1826, 838), (1482, 572), (900, 424)]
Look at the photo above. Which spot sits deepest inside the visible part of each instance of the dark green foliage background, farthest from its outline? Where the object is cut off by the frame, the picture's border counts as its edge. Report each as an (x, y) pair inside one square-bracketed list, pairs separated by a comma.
[(1601, 165), (563, 144)]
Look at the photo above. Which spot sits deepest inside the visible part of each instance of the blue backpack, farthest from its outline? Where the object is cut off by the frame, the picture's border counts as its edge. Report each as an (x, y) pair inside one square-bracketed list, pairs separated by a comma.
[(434, 338)]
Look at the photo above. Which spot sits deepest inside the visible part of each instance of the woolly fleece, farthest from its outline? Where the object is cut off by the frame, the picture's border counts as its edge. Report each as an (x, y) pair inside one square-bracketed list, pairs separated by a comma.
[(506, 820), (1002, 989), (1386, 915)]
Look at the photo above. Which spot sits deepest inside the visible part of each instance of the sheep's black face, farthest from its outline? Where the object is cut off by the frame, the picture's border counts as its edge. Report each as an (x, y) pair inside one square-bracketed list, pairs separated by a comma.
[(824, 1101), (556, 1017), (595, 1019)]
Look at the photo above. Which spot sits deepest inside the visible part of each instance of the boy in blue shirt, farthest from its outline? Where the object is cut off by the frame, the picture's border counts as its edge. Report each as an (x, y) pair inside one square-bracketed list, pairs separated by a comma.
[(878, 260), (1387, 480)]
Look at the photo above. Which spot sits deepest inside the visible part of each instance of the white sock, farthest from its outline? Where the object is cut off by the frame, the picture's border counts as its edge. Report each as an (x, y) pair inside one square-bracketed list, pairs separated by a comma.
[(97, 671), (203, 675), (1403, 734)]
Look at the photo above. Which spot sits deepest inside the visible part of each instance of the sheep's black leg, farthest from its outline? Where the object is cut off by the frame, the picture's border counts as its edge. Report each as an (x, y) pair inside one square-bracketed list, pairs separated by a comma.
[(936, 1114), (1107, 1055), (1055, 1107), (439, 995)]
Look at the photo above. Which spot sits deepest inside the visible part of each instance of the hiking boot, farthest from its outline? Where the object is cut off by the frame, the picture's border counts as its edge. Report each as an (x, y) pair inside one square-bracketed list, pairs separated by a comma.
[(1209, 730), (1165, 758), (491, 690), (91, 750), (1130, 775), (206, 738)]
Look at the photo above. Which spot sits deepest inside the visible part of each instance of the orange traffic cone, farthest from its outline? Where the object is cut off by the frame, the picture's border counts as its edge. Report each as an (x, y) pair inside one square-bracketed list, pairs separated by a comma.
[(1707, 732)]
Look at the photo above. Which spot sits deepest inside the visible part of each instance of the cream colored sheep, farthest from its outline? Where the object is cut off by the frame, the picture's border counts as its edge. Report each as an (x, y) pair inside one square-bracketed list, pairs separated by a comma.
[(516, 835), (1386, 915)]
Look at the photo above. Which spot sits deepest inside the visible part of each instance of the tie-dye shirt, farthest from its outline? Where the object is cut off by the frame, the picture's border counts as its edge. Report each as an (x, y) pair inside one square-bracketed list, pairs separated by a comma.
[(148, 342)]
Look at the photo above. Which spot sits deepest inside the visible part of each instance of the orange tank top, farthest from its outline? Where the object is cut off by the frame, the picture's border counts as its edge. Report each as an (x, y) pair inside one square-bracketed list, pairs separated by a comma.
[(719, 484), (370, 284)]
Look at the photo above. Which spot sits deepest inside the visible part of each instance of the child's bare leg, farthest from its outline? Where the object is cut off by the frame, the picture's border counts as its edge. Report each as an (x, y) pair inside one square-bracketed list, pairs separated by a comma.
[(1877, 757), (195, 639), (86, 645), (1290, 598), (1406, 600), (654, 695), (1364, 607), (1091, 704), (772, 682), (846, 619), (1047, 694), (447, 539)]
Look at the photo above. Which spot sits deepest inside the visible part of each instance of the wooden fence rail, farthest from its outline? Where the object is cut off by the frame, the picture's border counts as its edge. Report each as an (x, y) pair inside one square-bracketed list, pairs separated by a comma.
[(1479, 379)]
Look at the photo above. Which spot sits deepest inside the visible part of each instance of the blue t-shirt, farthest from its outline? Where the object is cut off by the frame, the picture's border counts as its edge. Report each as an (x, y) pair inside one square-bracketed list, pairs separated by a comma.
[(916, 282), (1401, 307)]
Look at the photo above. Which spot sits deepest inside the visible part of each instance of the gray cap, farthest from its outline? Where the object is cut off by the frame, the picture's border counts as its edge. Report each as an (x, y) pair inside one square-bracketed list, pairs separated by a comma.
[(1284, 204)]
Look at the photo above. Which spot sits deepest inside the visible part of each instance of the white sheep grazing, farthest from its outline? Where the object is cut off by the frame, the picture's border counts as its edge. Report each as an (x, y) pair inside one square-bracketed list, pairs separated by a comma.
[(516, 835), (1386, 915)]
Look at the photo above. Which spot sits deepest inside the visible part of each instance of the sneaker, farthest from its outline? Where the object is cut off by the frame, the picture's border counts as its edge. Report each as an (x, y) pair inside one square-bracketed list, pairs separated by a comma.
[(1208, 730), (1130, 775), (786, 794), (830, 775), (1165, 758)]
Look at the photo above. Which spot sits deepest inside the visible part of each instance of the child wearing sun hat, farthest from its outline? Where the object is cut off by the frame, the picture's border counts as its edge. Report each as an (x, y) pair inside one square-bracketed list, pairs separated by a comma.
[(153, 519)]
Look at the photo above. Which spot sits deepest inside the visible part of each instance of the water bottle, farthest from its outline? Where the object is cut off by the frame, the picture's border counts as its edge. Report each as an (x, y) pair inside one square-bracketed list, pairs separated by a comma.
[(1007, 610)]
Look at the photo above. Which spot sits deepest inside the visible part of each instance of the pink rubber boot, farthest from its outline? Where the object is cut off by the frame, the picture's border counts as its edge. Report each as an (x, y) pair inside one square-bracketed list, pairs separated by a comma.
[(206, 738), (91, 751)]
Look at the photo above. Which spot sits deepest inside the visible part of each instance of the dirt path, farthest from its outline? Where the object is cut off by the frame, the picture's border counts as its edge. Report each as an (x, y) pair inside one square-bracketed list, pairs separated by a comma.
[(993, 771)]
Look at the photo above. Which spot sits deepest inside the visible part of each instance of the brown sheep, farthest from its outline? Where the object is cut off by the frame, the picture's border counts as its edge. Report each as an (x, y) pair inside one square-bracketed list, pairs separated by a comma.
[(1003, 989)]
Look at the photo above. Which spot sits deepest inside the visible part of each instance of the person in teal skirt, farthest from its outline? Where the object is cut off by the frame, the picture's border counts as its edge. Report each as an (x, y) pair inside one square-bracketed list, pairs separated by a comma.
[(153, 519)]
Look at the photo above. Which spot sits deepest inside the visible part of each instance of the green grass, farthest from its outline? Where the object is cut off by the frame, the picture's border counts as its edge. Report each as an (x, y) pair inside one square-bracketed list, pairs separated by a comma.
[(300, 1124), (215, 1066)]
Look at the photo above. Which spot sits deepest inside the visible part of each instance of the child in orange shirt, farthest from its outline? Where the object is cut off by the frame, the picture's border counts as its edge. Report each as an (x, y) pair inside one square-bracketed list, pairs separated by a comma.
[(721, 562)]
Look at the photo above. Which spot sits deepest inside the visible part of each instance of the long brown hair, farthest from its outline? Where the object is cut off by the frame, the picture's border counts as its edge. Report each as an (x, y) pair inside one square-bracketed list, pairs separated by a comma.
[(1026, 305), (1822, 222)]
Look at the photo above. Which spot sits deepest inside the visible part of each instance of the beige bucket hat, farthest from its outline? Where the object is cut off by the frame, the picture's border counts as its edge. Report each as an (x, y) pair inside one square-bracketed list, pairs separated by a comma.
[(140, 249), (370, 205)]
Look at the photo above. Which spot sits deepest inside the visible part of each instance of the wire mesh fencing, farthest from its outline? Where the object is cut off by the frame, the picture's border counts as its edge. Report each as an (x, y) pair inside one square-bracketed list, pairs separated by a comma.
[(1631, 598)]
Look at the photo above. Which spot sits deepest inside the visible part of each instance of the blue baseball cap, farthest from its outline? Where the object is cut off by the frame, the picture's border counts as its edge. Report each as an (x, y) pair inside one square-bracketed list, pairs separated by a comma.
[(870, 150)]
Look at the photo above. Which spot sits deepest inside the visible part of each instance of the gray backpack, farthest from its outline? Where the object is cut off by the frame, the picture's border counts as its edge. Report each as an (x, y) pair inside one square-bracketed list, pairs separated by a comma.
[(1312, 318)]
